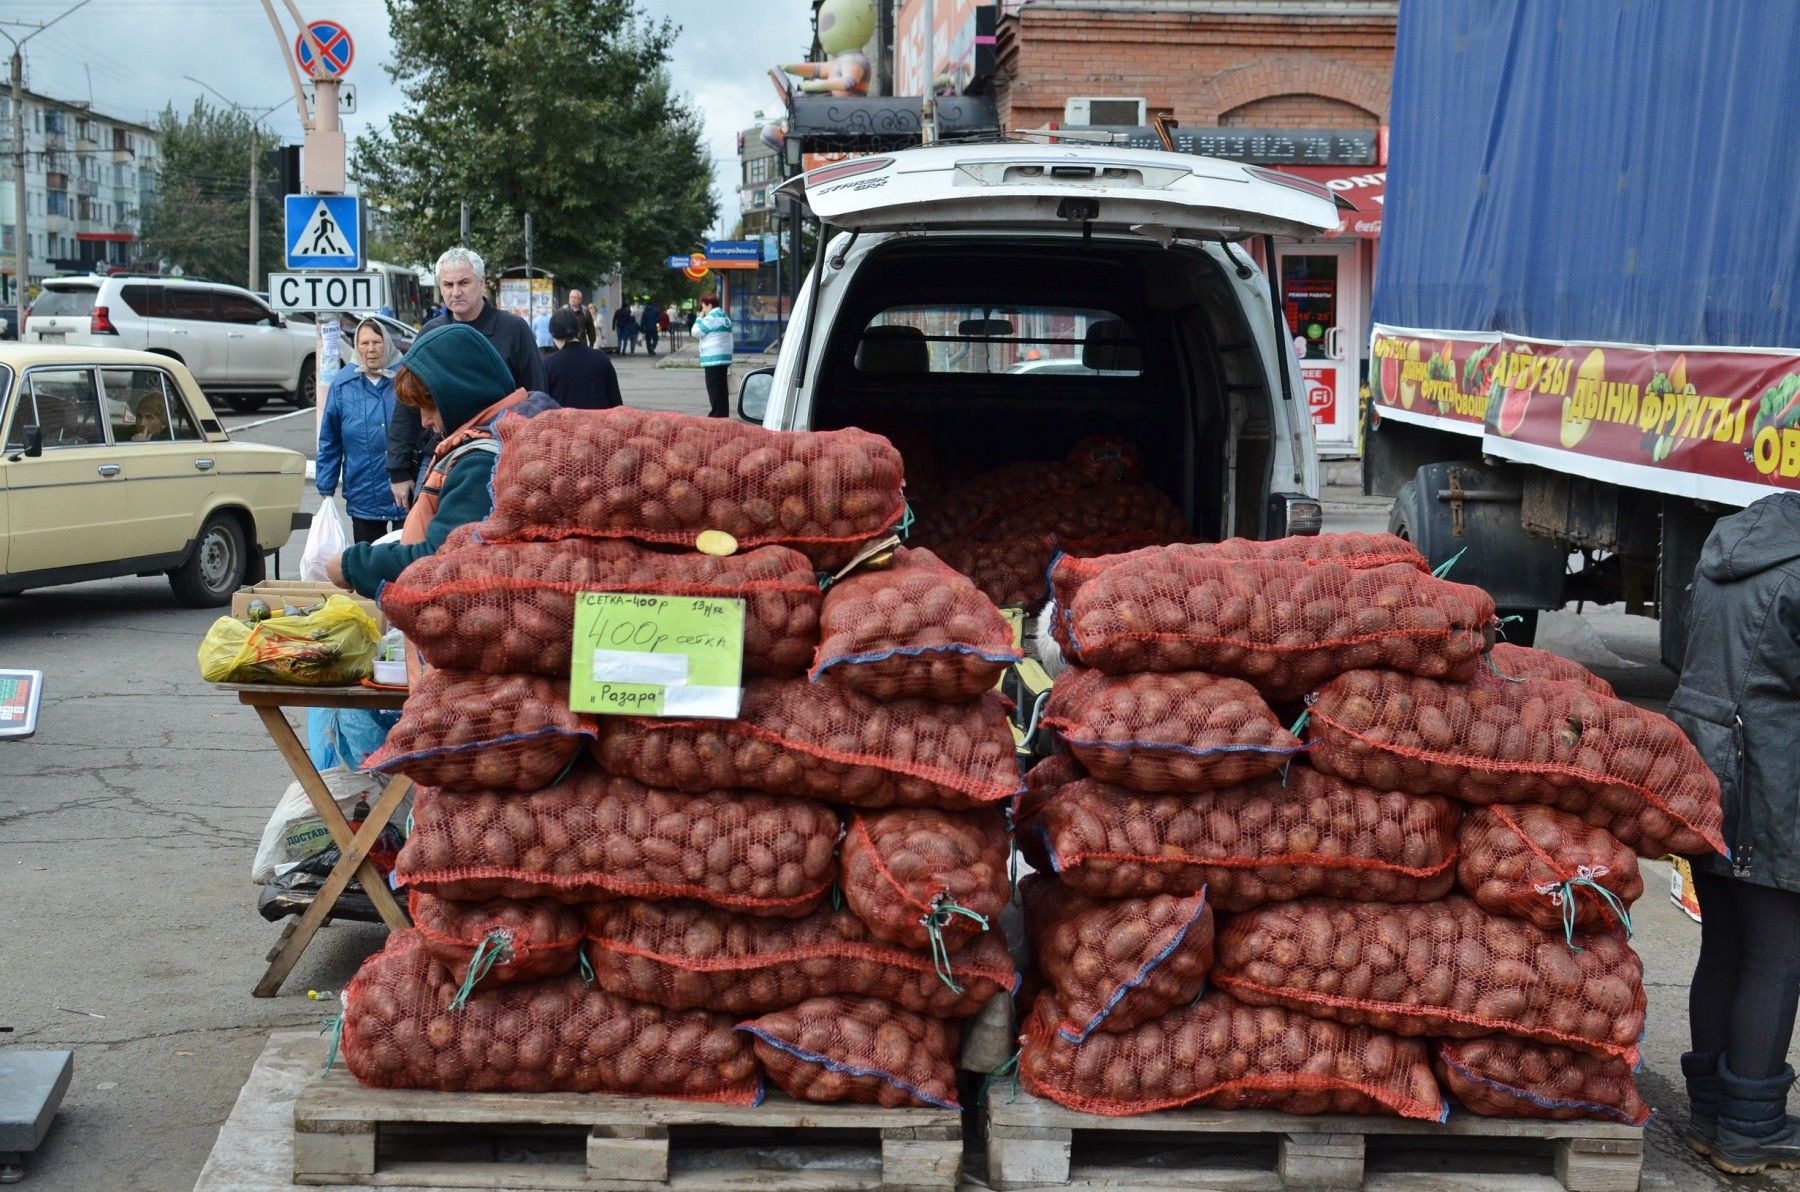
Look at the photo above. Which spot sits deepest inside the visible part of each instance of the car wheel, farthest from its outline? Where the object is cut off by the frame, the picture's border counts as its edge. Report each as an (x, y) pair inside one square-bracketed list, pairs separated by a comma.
[(217, 566), (246, 403), (306, 393)]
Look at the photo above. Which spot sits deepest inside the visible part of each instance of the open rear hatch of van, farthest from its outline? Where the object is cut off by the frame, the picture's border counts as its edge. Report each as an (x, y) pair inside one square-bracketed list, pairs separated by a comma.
[(1039, 186)]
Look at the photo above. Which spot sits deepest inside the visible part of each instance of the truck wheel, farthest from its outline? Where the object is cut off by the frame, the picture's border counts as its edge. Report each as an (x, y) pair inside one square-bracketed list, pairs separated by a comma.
[(306, 393), (216, 567), (1408, 520), (246, 403)]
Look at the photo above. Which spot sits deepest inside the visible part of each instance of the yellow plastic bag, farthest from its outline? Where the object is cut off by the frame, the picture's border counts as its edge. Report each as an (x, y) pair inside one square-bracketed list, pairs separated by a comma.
[(333, 646)]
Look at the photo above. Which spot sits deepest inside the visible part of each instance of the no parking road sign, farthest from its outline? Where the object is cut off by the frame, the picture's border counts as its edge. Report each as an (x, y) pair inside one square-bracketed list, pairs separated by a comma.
[(324, 232), (340, 51)]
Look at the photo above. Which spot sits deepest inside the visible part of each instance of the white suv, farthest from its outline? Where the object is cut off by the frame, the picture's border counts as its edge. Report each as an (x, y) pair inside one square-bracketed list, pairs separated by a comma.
[(238, 349)]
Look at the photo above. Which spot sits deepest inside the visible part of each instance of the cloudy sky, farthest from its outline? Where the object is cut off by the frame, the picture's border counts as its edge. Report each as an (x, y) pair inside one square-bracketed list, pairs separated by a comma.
[(129, 57)]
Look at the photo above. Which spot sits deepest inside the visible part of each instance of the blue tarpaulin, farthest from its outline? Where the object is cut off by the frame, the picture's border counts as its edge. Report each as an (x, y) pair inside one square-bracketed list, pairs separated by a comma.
[(1611, 170)]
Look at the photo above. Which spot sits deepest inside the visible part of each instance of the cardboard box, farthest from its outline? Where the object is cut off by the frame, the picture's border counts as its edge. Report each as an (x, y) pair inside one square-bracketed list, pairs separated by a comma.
[(300, 593)]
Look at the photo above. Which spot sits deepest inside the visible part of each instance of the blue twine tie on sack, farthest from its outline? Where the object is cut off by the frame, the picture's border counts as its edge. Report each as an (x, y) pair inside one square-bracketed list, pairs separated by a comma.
[(587, 968), (934, 922), (1443, 568), (334, 1024), (1562, 895)]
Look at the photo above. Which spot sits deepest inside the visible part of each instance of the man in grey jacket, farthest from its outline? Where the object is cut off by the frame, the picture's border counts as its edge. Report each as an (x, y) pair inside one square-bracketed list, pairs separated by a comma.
[(1739, 702)]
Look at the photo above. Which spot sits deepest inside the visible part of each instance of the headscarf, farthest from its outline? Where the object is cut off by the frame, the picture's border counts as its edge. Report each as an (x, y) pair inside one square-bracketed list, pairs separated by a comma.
[(388, 355)]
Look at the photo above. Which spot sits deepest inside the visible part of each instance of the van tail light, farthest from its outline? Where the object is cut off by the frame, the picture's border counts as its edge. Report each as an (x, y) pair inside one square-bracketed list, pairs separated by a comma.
[(102, 323)]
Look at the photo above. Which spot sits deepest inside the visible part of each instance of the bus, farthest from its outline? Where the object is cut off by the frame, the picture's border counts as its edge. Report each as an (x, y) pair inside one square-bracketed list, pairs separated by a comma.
[(405, 297)]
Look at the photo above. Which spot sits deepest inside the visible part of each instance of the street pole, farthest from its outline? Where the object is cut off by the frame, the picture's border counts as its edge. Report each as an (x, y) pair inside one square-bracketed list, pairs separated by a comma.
[(463, 225), (255, 206), (927, 110), (21, 239)]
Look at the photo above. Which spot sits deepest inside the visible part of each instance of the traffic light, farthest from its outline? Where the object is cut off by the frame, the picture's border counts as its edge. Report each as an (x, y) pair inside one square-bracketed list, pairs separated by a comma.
[(284, 170)]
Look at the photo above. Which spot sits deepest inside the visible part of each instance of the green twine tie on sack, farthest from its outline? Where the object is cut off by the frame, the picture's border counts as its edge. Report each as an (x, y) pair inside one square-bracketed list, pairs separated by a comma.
[(934, 922), (904, 529), (495, 948), (334, 1024), (1562, 894), (587, 968), (1443, 568), (1010, 1067)]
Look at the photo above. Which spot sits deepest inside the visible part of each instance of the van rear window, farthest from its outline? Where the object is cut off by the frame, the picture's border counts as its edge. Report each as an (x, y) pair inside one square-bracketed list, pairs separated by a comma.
[(64, 300), (1042, 341)]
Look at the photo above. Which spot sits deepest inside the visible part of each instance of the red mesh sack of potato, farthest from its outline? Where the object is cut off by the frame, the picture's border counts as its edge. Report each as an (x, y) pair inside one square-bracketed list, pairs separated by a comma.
[(1186, 731), (858, 1049), (1221, 1053), (1499, 1076), (822, 741), (1284, 626), (500, 941), (652, 476), (1613, 764), (965, 508), (1448, 969), (1247, 845), (1042, 782), (686, 956), (1089, 515), (598, 836), (510, 607), (1105, 459), (464, 731), (1523, 662), (918, 629), (923, 878), (1546, 867), (1009, 573), (1116, 962), (554, 1036)]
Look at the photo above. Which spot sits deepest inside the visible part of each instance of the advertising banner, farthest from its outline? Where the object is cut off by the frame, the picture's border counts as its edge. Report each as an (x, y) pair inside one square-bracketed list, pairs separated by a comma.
[(1716, 423)]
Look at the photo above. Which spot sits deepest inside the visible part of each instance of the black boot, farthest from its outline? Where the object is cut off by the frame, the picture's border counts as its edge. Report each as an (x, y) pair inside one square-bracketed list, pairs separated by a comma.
[(1755, 1132), (1701, 1068)]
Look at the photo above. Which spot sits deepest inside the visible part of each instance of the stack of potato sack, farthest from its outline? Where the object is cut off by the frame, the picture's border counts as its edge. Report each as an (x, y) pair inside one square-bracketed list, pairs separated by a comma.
[(1003, 527), (1343, 951), (592, 929)]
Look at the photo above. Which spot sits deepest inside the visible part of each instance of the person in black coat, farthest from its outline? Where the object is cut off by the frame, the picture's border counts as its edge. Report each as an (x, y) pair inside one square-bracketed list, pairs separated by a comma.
[(1739, 702), (579, 377), (461, 275)]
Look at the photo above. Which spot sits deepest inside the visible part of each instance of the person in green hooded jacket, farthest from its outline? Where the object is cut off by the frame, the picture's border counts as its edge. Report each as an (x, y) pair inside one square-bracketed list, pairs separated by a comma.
[(461, 387)]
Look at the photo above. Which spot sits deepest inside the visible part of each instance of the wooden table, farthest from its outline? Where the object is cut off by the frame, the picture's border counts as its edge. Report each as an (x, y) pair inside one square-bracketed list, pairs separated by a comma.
[(269, 699)]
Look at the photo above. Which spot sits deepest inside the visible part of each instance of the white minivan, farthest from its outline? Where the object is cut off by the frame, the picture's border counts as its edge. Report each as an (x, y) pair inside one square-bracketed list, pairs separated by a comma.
[(997, 303), (238, 349)]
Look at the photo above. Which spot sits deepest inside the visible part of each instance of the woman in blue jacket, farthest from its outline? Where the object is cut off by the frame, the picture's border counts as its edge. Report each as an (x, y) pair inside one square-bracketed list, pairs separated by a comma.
[(353, 435)]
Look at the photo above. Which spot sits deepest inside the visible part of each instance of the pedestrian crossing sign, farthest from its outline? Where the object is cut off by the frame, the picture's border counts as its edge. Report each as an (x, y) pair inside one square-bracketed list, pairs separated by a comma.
[(324, 232)]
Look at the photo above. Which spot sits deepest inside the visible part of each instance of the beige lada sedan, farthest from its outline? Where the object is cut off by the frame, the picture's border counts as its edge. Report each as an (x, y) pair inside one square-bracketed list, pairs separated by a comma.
[(114, 464)]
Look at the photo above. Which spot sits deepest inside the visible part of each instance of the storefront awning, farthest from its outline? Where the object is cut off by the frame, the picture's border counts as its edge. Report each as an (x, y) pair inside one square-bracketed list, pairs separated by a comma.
[(1364, 187), (112, 237)]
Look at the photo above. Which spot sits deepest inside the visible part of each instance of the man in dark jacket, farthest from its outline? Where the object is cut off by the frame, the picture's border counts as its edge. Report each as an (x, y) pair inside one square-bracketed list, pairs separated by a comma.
[(461, 274), (577, 376), (1739, 702)]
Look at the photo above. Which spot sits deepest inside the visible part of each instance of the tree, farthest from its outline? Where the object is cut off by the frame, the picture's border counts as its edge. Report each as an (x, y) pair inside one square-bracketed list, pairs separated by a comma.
[(200, 217), (560, 108)]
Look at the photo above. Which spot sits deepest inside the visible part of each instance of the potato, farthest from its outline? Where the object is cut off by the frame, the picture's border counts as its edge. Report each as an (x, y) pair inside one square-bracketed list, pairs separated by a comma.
[(461, 731), (539, 937), (556, 1035), (1523, 662), (824, 741), (524, 595), (1221, 1053), (1116, 963), (1610, 763), (1447, 969), (1010, 573), (1263, 841), (684, 956), (1522, 860), (768, 855), (917, 629), (1092, 517), (901, 867), (858, 1049), (1285, 626), (662, 478), (1186, 731), (1506, 1077)]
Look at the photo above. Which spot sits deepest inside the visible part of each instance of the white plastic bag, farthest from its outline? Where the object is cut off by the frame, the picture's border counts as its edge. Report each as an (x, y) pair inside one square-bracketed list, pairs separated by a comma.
[(295, 832), (326, 539)]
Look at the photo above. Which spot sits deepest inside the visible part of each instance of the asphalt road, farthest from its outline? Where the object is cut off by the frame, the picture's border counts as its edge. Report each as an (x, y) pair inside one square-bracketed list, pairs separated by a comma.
[(127, 828)]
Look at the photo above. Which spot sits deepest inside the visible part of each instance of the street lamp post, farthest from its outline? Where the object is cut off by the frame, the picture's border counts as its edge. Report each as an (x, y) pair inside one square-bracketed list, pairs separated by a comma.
[(21, 242)]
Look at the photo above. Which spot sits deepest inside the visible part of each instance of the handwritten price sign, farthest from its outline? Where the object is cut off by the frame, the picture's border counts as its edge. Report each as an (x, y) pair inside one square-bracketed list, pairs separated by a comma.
[(646, 655)]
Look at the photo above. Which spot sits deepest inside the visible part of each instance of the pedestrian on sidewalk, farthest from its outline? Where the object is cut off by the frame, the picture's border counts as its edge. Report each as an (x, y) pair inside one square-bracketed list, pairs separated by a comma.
[(353, 435), (673, 325), (584, 315), (579, 377), (650, 319), (712, 336), (540, 330), (1738, 701)]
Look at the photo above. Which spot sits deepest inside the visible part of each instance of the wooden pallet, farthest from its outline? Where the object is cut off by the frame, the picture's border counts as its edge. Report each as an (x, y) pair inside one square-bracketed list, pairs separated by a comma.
[(347, 1134), (1034, 1143)]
